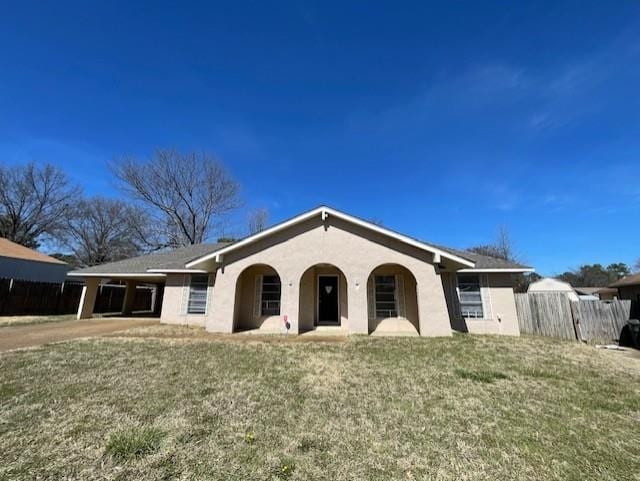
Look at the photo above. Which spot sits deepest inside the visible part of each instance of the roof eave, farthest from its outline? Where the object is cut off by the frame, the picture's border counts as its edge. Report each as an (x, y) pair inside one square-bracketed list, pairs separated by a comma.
[(178, 271), (114, 274), (515, 270)]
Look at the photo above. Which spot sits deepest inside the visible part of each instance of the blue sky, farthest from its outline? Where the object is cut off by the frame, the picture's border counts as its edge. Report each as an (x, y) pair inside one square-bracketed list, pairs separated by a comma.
[(444, 120)]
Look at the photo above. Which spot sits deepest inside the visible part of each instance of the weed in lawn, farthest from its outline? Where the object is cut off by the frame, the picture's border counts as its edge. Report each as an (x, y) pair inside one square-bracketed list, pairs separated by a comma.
[(134, 442), (481, 376), (7, 391), (249, 437), (284, 469)]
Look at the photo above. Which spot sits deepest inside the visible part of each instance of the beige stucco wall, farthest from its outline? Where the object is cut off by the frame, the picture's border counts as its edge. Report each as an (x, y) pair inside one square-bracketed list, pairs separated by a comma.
[(172, 302), (314, 247), (356, 251), (498, 304)]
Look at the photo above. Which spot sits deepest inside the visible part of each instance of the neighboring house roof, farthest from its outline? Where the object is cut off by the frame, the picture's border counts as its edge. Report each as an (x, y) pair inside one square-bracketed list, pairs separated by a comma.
[(17, 251), (595, 290), (632, 280), (189, 259)]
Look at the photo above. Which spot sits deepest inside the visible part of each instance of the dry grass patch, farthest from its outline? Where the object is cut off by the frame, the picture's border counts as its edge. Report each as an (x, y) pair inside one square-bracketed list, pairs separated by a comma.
[(183, 405), (6, 321)]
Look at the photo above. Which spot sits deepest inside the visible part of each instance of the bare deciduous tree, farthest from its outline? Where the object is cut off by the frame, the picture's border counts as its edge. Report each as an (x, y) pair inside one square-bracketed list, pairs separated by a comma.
[(636, 266), (502, 247), (101, 230), (34, 201), (257, 220), (184, 194)]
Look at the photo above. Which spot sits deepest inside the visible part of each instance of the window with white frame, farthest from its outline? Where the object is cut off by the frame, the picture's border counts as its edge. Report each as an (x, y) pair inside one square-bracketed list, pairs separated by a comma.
[(385, 291), (470, 296), (270, 301), (198, 289)]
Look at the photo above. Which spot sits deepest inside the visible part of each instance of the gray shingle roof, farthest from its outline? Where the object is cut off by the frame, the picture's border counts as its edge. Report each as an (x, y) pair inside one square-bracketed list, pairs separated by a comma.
[(177, 258), (484, 262), (173, 259)]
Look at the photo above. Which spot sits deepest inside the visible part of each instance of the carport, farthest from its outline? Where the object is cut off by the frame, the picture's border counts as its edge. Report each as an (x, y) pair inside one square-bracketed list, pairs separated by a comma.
[(131, 282), (150, 269)]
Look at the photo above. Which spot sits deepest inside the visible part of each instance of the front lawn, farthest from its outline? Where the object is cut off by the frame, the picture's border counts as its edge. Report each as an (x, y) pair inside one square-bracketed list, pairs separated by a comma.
[(197, 407)]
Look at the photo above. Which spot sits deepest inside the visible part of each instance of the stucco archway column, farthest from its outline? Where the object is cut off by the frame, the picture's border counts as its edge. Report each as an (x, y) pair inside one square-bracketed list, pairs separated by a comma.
[(432, 306), (357, 301), (290, 298), (220, 317)]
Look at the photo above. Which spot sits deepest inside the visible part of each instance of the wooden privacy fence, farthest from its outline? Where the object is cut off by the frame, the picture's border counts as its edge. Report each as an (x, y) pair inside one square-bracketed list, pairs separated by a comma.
[(546, 314), (600, 320), (43, 298), (553, 314)]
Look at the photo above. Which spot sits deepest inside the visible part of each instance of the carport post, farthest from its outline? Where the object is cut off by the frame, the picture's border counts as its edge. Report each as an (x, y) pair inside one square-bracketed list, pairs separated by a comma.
[(156, 302), (88, 298), (129, 297)]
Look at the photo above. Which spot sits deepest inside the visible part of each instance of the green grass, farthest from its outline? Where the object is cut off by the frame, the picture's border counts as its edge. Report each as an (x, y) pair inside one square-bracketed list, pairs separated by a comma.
[(196, 407), (134, 442)]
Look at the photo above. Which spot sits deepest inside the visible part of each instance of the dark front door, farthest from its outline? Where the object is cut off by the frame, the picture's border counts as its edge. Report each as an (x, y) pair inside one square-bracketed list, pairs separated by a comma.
[(328, 312)]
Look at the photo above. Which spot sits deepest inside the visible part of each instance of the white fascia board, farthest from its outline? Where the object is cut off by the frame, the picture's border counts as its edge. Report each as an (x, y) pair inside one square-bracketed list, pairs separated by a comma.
[(178, 271), (509, 271), (324, 212), (113, 274)]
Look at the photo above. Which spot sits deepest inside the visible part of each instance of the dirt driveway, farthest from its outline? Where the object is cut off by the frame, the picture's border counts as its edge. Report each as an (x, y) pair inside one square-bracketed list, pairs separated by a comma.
[(34, 335)]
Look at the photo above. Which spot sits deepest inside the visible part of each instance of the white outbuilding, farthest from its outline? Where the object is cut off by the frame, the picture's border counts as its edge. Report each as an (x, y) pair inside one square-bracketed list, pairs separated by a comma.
[(549, 284)]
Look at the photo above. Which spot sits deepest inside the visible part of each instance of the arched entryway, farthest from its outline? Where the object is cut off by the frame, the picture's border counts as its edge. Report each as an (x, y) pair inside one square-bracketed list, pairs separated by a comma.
[(258, 299), (392, 301), (323, 298)]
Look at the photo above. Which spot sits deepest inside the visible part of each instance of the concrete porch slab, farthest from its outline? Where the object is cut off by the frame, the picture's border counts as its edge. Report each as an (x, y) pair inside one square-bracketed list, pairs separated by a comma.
[(395, 327)]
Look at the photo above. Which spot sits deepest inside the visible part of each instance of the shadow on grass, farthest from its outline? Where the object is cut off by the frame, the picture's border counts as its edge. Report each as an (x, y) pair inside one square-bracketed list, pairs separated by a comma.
[(481, 376)]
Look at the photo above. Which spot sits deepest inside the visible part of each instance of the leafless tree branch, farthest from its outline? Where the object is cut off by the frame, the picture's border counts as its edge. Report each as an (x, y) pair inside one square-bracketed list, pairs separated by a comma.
[(184, 194), (34, 202), (101, 230), (258, 220)]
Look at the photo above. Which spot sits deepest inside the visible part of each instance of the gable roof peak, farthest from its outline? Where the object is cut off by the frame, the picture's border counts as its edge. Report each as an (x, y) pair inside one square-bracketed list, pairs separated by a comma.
[(326, 211)]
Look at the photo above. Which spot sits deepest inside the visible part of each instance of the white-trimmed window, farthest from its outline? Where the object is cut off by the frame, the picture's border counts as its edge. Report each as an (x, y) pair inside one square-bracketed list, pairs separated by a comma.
[(198, 290), (386, 302), (470, 296), (270, 300)]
